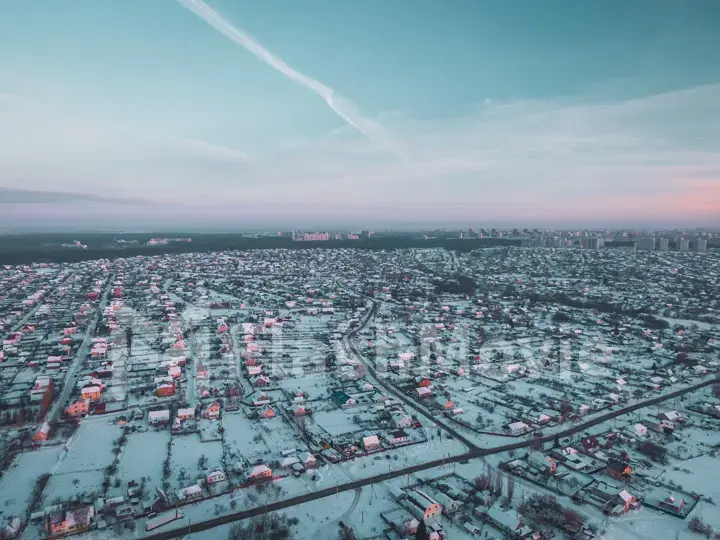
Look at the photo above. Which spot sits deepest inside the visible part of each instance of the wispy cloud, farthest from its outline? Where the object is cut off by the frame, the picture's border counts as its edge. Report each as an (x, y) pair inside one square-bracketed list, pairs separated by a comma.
[(650, 159), (342, 106), (28, 196)]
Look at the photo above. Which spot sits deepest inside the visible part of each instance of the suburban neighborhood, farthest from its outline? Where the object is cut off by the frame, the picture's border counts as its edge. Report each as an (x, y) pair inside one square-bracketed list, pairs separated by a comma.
[(504, 392)]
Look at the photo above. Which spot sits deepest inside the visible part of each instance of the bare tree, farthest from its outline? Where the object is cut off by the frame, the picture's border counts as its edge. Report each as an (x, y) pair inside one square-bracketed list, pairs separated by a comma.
[(510, 487), (498, 484)]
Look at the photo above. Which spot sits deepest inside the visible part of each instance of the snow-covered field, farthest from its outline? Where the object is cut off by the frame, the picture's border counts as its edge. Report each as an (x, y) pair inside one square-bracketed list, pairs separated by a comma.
[(185, 456), (19, 479), (91, 446), (143, 456)]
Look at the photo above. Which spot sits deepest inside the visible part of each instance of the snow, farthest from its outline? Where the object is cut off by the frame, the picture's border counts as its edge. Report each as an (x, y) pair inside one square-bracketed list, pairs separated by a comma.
[(19, 479)]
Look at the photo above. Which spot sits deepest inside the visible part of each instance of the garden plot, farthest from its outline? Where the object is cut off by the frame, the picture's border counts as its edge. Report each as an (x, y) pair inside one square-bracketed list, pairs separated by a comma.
[(76, 485), (533, 391), (209, 430), (694, 442), (90, 448), (193, 314), (19, 479), (242, 437), (278, 435), (313, 387), (335, 422), (699, 475), (142, 457), (190, 458), (480, 417)]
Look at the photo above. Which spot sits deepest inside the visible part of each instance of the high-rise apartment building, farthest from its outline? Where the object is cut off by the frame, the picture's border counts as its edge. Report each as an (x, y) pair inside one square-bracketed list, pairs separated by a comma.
[(646, 244)]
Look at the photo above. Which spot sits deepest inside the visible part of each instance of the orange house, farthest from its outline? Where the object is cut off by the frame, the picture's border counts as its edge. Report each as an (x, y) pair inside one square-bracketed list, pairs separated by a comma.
[(268, 413), (212, 412), (42, 433), (79, 408), (91, 392)]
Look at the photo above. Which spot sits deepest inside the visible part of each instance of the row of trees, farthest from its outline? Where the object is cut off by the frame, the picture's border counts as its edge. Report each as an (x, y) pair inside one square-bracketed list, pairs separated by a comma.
[(491, 481), (269, 526), (546, 510)]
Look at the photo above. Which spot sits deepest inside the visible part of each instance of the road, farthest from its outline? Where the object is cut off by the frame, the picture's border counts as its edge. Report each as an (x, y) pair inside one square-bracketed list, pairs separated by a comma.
[(473, 453), (72, 375), (390, 389)]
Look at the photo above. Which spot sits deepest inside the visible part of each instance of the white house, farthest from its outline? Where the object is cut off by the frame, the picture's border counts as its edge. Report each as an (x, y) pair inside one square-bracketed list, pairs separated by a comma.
[(159, 417), (518, 428), (398, 437), (261, 471), (371, 442), (308, 460), (186, 413), (640, 430), (190, 493), (423, 392), (215, 476)]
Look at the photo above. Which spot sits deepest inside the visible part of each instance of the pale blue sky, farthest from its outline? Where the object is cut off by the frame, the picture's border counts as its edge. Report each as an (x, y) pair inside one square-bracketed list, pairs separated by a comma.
[(468, 110)]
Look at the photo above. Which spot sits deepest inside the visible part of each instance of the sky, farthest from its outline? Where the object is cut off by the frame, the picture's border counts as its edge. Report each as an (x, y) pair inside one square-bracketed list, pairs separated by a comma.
[(231, 113)]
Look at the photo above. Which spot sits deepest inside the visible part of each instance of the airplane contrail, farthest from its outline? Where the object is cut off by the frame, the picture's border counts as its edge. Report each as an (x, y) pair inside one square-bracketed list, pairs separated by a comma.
[(342, 106)]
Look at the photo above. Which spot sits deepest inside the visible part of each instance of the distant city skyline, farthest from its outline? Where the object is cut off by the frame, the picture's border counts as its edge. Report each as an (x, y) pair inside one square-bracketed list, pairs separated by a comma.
[(229, 115)]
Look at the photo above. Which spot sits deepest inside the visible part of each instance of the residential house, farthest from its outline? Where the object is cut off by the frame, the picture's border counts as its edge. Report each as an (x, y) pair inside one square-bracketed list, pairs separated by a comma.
[(157, 418), (444, 403), (201, 371), (186, 413), (398, 437), (541, 462), (673, 505), (78, 409), (424, 392), (619, 470), (91, 393), (254, 370), (261, 472), (371, 442), (267, 413), (308, 460), (401, 420), (300, 411), (175, 372), (261, 399), (215, 476), (72, 521), (342, 399), (640, 430), (165, 390), (212, 412), (672, 416), (626, 500), (158, 503), (42, 433), (261, 380), (189, 494), (507, 524), (517, 428), (12, 527), (659, 425), (422, 505), (590, 444), (449, 505)]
